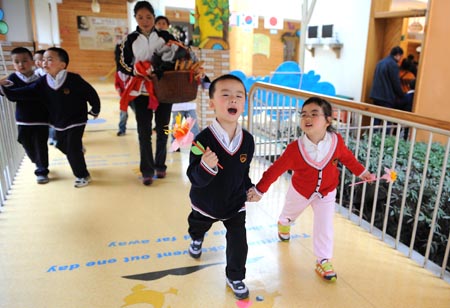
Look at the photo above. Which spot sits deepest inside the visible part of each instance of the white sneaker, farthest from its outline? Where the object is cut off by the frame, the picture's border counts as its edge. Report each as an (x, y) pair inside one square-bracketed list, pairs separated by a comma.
[(239, 288), (81, 182)]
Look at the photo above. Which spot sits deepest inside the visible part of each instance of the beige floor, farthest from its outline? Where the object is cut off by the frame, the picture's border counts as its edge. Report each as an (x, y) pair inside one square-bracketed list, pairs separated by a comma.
[(118, 243)]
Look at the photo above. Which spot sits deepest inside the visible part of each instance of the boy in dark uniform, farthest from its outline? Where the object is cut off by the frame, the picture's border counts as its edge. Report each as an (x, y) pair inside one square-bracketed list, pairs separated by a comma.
[(65, 95), (220, 179), (31, 119)]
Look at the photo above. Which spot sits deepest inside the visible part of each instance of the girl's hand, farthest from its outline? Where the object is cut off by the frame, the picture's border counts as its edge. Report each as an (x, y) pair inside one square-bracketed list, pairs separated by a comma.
[(367, 176), (252, 195), (210, 158)]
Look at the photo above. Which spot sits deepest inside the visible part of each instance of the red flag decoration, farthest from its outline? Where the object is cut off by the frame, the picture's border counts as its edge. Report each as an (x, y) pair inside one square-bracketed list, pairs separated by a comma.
[(273, 22), (248, 20)]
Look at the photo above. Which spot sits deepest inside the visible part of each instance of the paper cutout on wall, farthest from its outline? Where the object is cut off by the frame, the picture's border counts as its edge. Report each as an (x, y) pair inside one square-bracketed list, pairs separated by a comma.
[(248, 20), (261, 44), (212, 24), (273, 22)]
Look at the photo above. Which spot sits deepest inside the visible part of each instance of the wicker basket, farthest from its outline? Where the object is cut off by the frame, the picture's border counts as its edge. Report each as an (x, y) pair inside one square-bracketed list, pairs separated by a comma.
[(175, 87)]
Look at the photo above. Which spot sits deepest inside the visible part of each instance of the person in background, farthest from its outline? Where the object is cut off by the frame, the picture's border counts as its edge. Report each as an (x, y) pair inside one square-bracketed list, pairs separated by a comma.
[(406, 74), (220, 179), (314, 159), (406, 104), (162, 23), (38, 56), (414, 64), (31, 118), (66, 95), (137, 52), (386, 87), (120, 79), (39, 70)]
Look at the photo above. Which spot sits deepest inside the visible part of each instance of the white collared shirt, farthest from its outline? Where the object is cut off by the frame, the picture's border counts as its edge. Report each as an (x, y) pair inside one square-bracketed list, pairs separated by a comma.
[(224, 139), (317, 152), (56, 83), (26, 79)]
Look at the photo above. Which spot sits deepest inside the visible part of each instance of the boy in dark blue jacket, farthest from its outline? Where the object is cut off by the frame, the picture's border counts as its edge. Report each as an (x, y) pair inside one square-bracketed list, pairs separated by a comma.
[(220, 179), (66, 95), (31, 119)]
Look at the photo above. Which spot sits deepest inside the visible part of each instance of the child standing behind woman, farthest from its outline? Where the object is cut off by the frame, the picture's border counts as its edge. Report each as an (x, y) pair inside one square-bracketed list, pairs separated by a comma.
[(31, 119), (66, 95), (314, 159), (220, 194)]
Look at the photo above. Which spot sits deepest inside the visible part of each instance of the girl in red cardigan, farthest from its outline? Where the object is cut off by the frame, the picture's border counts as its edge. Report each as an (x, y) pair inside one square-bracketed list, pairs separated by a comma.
[(313, 158)]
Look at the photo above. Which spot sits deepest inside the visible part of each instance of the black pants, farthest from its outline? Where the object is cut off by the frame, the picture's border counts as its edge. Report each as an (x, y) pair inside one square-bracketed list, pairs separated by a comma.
[(70, 142), (34, 138), (237, 247), (144, 117), (377, 122)]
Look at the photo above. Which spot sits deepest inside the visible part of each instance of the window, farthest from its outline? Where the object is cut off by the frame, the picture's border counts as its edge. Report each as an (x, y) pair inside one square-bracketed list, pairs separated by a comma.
[(327, 31), (312, 31)]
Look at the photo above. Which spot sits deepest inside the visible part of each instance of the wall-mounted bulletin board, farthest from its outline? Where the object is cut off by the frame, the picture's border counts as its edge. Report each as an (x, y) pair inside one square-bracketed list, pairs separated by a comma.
[(98, 33)]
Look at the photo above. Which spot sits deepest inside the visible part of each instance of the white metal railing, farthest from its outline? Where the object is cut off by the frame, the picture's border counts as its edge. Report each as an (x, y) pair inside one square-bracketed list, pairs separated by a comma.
[(11, 153), (413, 213)]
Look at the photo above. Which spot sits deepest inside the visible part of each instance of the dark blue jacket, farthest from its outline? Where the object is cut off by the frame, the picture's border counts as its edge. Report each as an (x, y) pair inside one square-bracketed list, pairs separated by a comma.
[(386, 85), (29, 113), (221, 195), (67, 105)]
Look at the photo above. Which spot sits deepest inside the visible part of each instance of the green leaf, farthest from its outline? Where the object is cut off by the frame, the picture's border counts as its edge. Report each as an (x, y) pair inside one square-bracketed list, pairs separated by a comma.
[(196, 150)]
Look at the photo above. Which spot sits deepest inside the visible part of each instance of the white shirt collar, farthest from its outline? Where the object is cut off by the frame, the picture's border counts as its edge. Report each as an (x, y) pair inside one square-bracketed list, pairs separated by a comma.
[(40, 71), (317, 152), (224, 139), (26, 79), (57, 82)]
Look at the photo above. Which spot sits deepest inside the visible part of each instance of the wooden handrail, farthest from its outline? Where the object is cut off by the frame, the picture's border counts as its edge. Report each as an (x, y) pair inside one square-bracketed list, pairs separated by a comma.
[(401, 115)]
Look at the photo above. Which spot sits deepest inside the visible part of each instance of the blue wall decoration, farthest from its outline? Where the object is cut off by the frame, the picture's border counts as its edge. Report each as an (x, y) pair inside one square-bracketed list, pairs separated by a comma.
[(287, 74)]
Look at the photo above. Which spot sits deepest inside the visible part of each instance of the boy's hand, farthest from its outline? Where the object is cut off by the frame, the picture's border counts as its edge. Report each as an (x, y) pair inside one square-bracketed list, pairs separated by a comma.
[(6, 82), (93, 114), (252, 195), (210, 158)]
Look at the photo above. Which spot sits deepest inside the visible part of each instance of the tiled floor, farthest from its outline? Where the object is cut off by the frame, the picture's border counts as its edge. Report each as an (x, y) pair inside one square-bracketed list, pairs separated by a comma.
[(118, 243)]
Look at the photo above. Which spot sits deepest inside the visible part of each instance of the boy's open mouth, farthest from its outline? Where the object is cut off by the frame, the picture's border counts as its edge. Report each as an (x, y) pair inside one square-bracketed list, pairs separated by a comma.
[(232, 111)]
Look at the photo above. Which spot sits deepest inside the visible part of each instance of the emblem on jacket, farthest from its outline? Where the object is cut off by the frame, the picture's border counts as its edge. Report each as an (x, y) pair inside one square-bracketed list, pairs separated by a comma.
[(66, 91), (243, 158)]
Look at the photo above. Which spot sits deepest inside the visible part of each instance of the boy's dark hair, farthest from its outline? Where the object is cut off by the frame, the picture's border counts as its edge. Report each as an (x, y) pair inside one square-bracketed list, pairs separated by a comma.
[(62, 54), (143, 5), (212, 87), (325, 106), (397, 50), (162, 18), (407, 65), (40, 51), (20, 50)]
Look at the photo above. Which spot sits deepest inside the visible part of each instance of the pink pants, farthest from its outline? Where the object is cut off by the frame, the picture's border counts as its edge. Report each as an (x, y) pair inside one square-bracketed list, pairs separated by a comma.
[(323, 208)]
